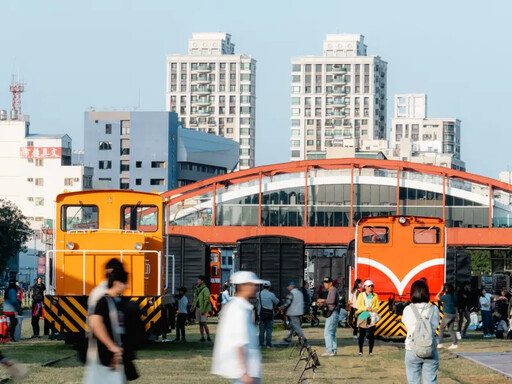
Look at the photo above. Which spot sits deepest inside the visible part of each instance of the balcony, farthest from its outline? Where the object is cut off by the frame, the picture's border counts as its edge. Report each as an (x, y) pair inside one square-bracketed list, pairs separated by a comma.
[(202, 80), (203, 69), (203, 90), (339, 91), (202, 112), (339, 80), (338, 70), (201, 101), (337, 113)]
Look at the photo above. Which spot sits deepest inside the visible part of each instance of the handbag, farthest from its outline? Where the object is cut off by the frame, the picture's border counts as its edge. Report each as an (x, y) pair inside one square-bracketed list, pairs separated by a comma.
[(375, 318)]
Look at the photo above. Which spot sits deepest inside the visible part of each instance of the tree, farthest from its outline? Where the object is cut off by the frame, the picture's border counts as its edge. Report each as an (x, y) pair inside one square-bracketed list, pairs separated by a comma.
[(481, 261), (14, 231)]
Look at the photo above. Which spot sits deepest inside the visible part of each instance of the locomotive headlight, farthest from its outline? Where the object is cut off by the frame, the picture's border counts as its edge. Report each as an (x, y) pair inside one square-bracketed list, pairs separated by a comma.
[(402, 220), (70, 245), (138, 246)]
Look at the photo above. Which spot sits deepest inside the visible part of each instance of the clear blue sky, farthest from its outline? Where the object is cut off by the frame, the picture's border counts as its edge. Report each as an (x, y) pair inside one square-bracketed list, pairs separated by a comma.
[(76, 54)]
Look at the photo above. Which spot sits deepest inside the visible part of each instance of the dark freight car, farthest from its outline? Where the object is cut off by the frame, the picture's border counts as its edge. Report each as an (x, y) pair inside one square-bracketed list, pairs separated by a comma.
[(274, 258)]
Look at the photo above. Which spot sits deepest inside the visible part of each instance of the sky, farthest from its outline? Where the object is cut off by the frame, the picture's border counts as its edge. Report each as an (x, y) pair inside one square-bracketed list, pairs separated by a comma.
[(104, 54)]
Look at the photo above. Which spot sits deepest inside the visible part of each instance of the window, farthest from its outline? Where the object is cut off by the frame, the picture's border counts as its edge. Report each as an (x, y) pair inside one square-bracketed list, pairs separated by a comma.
[(125, 165), (68, 181), (229, 130), (39, 182), (75, 217), (138, 181), (39, 162), (158, 164), (105, 164), (105, 145), (296, 79), (375, 235), (30, 143), (30, 180), (157, 182), (138, 164), (296, 68), (108, 129), (429, 235), (139, 218)]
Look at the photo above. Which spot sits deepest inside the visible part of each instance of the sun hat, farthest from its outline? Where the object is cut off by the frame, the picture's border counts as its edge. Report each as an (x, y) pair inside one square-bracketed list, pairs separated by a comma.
[(245, 277), (367, 282)]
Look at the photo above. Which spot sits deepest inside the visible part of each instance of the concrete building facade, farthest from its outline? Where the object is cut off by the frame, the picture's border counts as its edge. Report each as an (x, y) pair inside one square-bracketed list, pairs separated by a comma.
[(338, 99), (418, 138), (214, 90), (148, 151)]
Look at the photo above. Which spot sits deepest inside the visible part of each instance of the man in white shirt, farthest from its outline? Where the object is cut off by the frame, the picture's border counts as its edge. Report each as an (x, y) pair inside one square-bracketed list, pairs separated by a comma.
[(236, 354)]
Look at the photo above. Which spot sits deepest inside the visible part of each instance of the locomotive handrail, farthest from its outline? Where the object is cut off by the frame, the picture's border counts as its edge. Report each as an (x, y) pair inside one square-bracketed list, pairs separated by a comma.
[(130, 231), (83, 254)]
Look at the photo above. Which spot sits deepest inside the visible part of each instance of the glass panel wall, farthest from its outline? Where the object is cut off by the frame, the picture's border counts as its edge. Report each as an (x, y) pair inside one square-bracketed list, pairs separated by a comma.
[(195, 211), (467, 204), (374, 200), (501, 210), (237, 204), (283, 200)]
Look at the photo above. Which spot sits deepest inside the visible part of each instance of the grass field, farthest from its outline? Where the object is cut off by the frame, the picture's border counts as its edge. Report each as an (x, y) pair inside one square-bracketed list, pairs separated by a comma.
[(190, 363)]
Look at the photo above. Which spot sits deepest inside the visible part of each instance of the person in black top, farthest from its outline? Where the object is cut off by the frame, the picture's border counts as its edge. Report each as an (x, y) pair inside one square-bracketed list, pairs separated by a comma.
[(463, 307), (38, 292)]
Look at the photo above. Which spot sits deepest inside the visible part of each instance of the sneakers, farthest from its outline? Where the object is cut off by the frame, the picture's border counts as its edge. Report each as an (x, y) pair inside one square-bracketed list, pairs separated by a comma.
[(165, 340), (208, 339), (459, 336), (453, 346), (439, 346), (487, 335), (202, 340), (371, 353), (328, 354), (360, 354)]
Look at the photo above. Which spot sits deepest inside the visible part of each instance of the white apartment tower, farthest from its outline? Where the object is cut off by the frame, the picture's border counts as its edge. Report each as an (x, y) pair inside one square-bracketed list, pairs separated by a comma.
[(418, 138), (214, 90), (338, 99)]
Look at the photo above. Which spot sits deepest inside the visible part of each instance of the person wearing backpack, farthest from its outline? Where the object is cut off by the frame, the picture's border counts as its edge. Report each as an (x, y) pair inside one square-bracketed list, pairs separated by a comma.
[(449, 300), (421, 319), (266, 302)]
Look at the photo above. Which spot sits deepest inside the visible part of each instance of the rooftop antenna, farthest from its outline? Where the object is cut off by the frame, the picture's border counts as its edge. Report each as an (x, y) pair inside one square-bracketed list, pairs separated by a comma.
[(16, 88)]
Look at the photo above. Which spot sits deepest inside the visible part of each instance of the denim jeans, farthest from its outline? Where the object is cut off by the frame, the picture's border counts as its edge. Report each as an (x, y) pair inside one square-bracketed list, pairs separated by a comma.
[(266, 326), (331, 326), (415, 367), (448, 321), (487, 326), (255, 380)]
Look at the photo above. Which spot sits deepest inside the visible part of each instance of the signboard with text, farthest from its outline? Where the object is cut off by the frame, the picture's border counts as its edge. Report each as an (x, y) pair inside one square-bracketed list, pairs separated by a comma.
[(40, 152)]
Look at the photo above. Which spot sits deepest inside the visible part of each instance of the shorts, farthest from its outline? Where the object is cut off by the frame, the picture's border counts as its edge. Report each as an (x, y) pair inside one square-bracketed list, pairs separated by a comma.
[(200, 318)]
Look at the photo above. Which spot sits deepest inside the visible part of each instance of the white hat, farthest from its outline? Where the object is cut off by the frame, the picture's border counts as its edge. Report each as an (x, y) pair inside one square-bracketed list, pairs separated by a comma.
[(367, 282), (266, 283), (244, 277)]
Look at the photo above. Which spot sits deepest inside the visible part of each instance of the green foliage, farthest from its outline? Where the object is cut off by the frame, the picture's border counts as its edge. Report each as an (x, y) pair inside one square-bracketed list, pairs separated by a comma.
[(14, 231), (481, 261)]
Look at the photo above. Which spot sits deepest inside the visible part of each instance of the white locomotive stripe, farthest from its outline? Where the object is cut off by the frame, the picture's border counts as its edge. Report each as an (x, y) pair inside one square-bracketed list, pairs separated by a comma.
[(400, 285)]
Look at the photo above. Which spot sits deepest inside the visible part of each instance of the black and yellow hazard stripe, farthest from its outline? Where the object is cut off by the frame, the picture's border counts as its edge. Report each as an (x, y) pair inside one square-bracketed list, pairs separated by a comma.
[(390, 325), (68, 314)]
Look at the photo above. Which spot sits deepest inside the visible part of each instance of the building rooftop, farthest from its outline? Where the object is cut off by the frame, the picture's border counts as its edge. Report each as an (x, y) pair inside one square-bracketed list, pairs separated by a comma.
[(46, 135)]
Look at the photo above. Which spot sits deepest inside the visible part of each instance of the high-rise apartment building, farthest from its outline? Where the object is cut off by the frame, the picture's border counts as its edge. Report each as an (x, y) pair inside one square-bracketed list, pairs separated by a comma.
[(213, 90), (338, 99), (418, 138)]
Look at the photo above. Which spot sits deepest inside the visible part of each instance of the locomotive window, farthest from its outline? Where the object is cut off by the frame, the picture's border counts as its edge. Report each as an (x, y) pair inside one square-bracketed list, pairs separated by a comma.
[(375, 235), (78, 217), (215, 270), (427, 235), (139, 218)]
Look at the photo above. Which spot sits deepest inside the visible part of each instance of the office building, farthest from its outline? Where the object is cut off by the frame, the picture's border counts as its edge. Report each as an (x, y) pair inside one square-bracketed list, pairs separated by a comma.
[(338, 99), (148, 151), (213, 90), (418, 138)]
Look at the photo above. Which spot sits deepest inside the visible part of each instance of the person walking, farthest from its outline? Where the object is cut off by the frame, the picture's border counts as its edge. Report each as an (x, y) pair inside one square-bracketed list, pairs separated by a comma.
[(12, 307), (294, 309), (352, 301), (266, 301), (236, 353), (447, 297), (423, 317), (331, 317), (182, 314), (367, 317), (38, 292), (486, 311), (105, 352), (99, 291), (463, 309), (201, 306)]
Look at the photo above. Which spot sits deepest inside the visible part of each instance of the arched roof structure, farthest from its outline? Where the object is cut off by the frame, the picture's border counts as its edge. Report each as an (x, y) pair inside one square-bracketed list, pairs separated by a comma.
[(320, 201)]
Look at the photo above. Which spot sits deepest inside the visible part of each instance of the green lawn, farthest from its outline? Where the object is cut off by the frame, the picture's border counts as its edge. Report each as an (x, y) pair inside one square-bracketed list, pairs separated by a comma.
[(190, 363)]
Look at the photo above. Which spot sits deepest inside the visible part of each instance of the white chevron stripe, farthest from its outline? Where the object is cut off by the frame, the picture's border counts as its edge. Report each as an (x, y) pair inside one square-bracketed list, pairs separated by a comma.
[(400, 285)]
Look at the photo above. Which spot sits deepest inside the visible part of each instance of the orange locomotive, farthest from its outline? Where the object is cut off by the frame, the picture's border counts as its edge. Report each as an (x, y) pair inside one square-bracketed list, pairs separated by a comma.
[(393, 252), (93, 227)]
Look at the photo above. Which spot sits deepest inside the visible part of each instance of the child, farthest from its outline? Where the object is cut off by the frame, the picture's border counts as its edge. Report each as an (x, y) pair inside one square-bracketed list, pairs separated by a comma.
[(182, 314)]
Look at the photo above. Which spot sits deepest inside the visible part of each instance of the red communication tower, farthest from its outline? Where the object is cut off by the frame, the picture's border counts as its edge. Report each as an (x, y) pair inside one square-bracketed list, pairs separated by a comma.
[(16, 89)]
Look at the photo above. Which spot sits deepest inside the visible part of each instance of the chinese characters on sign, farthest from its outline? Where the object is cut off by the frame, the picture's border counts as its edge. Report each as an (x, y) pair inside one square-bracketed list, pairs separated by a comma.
[(40, 152)]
